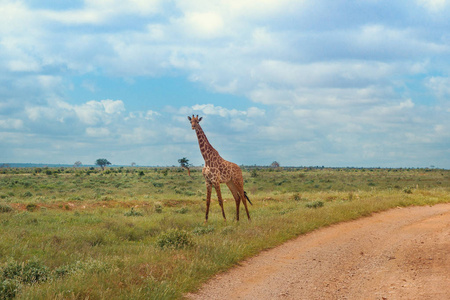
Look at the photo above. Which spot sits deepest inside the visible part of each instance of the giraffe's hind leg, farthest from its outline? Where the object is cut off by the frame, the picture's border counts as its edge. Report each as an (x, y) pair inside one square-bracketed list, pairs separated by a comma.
[(244, 200), (240, 190), (219, 197), (239, 195), (235, 192)]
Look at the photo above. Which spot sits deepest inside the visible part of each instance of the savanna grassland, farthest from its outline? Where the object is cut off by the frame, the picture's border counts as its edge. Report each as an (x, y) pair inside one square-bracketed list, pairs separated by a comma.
[(139, 233)]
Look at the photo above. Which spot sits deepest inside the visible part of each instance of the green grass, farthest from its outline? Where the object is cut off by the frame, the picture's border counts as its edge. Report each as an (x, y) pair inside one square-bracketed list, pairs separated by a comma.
[(139, 232)]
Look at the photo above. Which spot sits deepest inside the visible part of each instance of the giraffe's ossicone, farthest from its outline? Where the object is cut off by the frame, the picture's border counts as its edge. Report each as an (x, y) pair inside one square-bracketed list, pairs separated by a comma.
[(217, 170)]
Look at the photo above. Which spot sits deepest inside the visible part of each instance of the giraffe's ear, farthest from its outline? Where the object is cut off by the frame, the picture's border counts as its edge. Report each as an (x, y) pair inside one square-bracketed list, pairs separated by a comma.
[(200, 119), (189, 118)]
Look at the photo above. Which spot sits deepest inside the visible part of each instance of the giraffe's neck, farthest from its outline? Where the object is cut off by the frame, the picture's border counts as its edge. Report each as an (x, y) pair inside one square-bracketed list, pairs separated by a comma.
[(207, 150)]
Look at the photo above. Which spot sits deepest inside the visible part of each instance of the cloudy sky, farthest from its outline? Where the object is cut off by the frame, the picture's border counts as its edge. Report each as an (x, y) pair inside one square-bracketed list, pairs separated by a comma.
[(335, 83)]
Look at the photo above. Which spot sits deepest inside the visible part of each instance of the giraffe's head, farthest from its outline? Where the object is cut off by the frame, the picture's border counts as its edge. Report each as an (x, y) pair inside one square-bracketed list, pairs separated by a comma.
[(194, 121)]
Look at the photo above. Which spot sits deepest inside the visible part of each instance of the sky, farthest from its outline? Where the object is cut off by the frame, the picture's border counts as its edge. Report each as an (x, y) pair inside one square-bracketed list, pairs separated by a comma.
[(304, 83)]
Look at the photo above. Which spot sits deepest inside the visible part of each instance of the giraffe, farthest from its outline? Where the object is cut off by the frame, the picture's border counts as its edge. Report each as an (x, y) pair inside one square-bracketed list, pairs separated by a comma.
[(217, 170)]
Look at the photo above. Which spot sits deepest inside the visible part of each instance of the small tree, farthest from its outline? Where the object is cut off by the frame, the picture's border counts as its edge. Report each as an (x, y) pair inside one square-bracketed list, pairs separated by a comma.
[(184, 163), (102, 162), (77, 163), (275, 164), (133, 164)]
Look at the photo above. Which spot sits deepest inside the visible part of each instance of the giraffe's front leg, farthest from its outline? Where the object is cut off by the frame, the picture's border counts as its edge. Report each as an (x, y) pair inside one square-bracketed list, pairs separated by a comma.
[(208, 198)]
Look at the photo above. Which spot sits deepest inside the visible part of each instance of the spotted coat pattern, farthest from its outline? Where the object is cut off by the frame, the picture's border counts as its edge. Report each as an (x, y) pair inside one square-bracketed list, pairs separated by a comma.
[(218, 170)]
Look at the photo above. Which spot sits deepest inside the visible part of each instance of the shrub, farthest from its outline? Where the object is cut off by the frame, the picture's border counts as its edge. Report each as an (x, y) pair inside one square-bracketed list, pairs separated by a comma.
[(4, 208), (95, 239), (350, 196), (174, 239), (8, 289), (314, 204), (158, 208), (203, 230), (408, 190), (12, 270), (63, 271), (31, 207), (297, 197), (27, 194), (182, 210), (29, 272), (133, 213), (35, 271)]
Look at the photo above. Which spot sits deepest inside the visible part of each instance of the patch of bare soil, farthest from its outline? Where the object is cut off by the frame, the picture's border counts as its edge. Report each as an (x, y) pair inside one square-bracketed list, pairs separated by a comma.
[(403, 253)]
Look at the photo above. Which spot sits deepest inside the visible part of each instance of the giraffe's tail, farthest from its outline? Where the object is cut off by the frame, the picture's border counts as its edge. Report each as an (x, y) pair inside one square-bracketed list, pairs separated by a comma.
[(245, 194)]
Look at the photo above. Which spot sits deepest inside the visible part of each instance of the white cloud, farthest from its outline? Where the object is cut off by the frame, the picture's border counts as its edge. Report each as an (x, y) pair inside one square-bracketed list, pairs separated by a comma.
[(11, 124), (113, 106), (202, 24), (319, 74), (211, 109), (16, 17), (98, 12), (243, 10), (255, 112), (433, 5), (93, 112), (100, 132), (138, 135), (440, 86), (76, 17), (147, 115), (150, 114), (139, 7)]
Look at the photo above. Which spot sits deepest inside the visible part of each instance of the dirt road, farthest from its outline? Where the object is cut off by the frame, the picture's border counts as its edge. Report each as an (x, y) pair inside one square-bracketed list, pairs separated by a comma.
[(403, 253)]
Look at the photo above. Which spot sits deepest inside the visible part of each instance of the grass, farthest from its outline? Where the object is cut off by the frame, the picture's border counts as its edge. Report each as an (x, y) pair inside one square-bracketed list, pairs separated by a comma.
[(139, 232)]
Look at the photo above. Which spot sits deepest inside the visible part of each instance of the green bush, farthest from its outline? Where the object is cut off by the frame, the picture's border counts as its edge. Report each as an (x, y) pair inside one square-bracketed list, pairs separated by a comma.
[(133, 213), (8, 289), (27, 194), (314, 204), (182, 210), (63, 271), (158, 184), (31, 207), (408, 190), (29, 272), (12, 270), (203, 230), (4, 208), (297, 197), (158, 208), (34, 271), (174, 239)]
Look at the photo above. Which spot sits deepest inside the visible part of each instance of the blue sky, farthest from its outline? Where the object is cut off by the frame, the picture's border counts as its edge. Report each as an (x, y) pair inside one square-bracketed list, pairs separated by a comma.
[(335, 83)]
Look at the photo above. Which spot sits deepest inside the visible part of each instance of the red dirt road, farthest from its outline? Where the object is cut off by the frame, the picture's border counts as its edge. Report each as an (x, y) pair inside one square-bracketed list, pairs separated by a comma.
[(403, 253)]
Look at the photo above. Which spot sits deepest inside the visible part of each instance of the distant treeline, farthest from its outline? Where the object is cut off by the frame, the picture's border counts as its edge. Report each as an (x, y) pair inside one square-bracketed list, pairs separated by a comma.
[(249, 167)]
